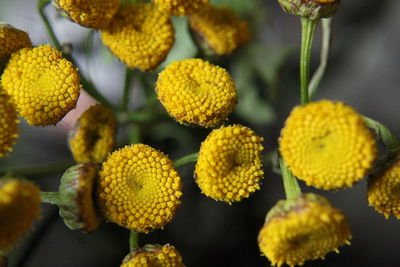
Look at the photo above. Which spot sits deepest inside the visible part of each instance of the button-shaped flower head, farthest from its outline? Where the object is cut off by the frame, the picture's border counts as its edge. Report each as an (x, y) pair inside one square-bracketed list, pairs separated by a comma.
[(229, 166), (154, 255), (219, 29), (43, 85), (11, 40), (9, 123), (139, 188), (140, 36), (312, 9), (195, 91), (301, 229), (327, 145), (180, 7)]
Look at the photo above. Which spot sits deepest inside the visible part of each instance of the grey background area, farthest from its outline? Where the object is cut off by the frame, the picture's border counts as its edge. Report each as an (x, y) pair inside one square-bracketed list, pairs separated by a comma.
[(364, 71)]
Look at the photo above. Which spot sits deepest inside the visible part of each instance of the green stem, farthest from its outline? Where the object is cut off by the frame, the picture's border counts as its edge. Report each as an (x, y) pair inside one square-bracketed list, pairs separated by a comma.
[(127, 89), (50, 197), (191, 158), (39, 170), (41, 6), (292, 188), (133, 240), (308, 29)]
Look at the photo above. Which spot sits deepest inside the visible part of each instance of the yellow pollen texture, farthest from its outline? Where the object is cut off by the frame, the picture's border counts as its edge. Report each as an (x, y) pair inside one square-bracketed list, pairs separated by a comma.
[(180, 7), (93, 136), (229, 167), (92, 14), (43, 85), (156, 256), (195, 91), (220, 28), (8, 123), (139, 188), (384, 191), (11, 40), (327, 145), (140, 36)]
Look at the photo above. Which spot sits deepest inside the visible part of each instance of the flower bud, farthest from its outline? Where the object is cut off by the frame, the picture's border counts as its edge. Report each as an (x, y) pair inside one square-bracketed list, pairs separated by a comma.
[(312, 9), (153, 255)]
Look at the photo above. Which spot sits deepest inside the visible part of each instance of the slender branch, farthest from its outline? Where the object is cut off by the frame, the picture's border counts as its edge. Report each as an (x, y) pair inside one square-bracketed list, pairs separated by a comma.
[(39, 170), (50, 197), (191, 158), (133, 240), (127, 89), (41, 6), (292, 188)]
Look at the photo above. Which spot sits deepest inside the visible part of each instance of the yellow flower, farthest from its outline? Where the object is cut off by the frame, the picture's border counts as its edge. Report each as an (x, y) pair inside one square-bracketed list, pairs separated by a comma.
[(140, 36), (229, 166), (139, 188), (384, 191), (154, 255), (327, 145), (311, 9), (220, 29), (93, 135), (180, 7), (19, 207), (195, 91), (11, 40), (43, 85), (9, 123), (301, 229), (92, 14)]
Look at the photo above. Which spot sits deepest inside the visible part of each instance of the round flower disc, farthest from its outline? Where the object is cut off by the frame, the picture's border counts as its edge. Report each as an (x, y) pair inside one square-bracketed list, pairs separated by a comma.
[(154, 255), (180, 7), (9, 123), (11, 40), (327, 145)]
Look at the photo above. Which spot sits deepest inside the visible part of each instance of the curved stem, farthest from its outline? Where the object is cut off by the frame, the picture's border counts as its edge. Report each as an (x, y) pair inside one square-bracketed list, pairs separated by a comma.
[(292, 188), (127, 89), (38, 170), (41, 6), (191, 158), (133, 240), (50, 197)]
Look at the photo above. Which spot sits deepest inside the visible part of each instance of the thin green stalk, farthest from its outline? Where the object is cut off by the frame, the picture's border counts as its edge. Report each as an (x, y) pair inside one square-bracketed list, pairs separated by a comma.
[(292, 188), (50, 197), (127, 89), (41, 6), (39, 170), (191, 158), (133, 240)]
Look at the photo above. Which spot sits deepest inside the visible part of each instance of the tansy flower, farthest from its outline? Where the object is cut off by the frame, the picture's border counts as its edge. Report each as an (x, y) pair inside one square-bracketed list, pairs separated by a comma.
[(11, 40), (195, 91), (139, 35), (92, 14), (180, 7), (311, 9), (93, 135), (19, 207), (327, 145), (43, 85), (220, 29), (301, 229), (229, 166), (154, 255), (139, 188), (9, 123)]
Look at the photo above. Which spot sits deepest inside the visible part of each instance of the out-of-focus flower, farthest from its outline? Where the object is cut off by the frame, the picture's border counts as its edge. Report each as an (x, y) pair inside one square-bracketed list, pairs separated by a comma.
[(9, 123), (11, 40), (153, 255), (180, 7)]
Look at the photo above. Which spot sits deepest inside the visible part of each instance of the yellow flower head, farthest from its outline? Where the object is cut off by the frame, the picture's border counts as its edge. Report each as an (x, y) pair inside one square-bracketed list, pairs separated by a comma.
[(195, 91), (139, 188), (384, 191), (327, 145), (43, 85), (93, 135), (19, 207), (220, 29), (154, 255), (9, 123), (301, 229), (11, 40), (92, 14), (311, 9), (229, 166), (180, 7), (139, 35)]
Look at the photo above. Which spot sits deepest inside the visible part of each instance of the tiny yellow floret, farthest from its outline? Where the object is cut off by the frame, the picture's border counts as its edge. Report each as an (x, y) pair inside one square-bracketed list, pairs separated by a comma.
[(180, 7), (11, 40), (327, 145), (229, 167), (152, 256), (140, 36), (139, 188), (8, 123), (197, 92)]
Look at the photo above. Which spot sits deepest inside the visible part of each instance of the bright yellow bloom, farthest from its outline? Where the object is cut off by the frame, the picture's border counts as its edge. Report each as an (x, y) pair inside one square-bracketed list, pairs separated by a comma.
[(9, 123), (93, 135), (229, 167), (327, 145), (301, 229), (220, 29), (139, 188), (19, 207), (140, 36), (11, 40), (152, 256), (195, 91), (180, 7), (92, 14), (384, 191), (43, 85)]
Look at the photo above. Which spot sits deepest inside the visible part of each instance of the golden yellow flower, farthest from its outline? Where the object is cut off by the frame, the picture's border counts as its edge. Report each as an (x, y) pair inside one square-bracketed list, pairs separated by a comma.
[(154, 255), (43, 85), (19, 207), (180, 7), (384, 191), (92, 14), (229, 167), (301, 229), (9, 123), (140, 36), (11, 40), (195, 91), (327, 145), (139, 188), (220, 29), (93, 135)]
